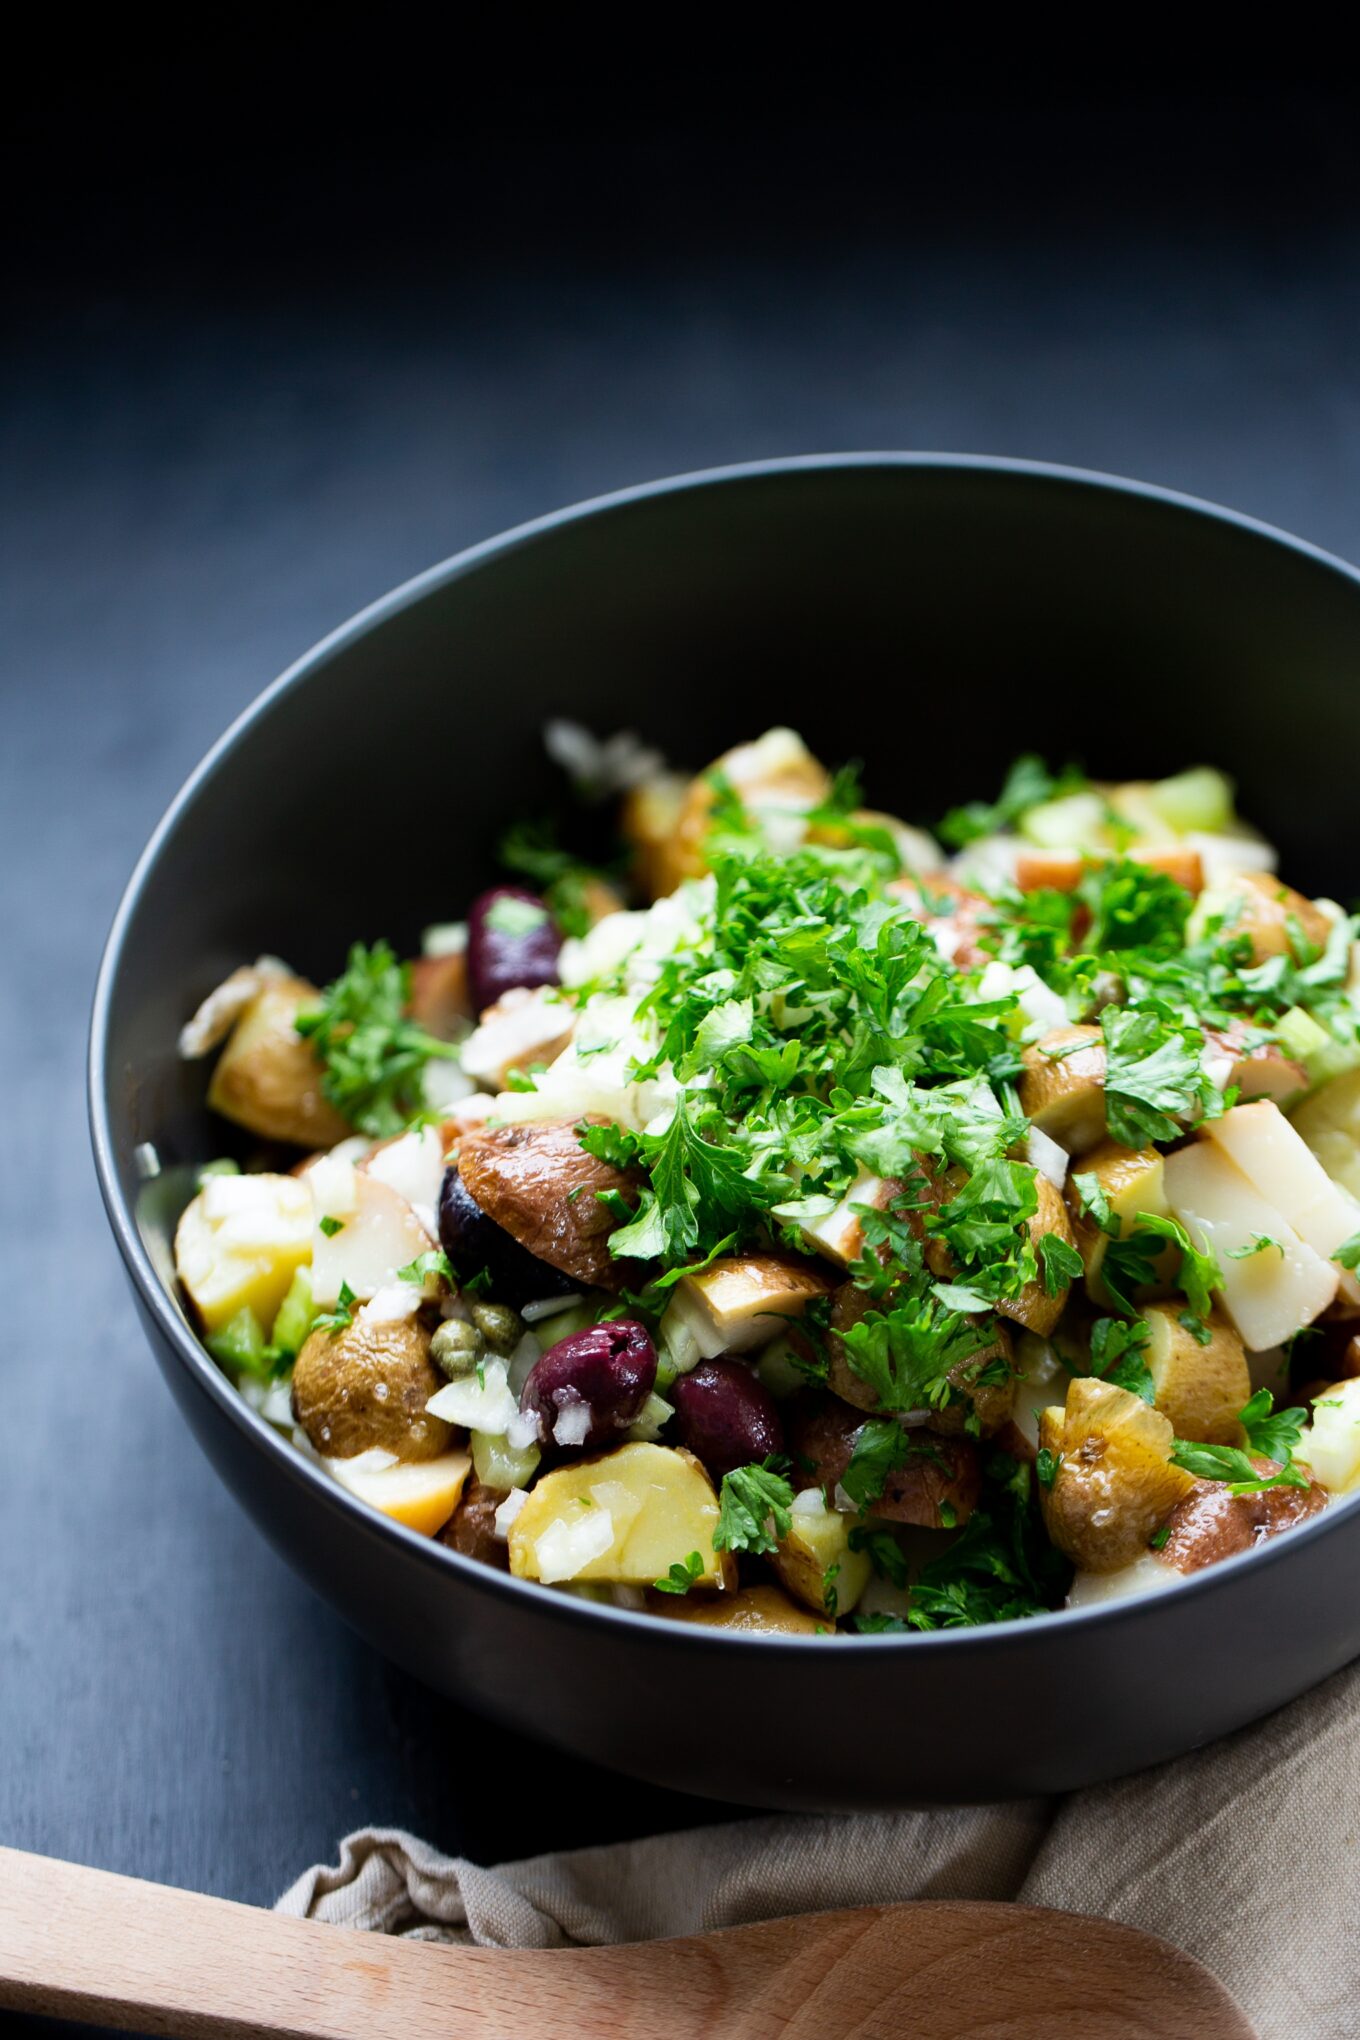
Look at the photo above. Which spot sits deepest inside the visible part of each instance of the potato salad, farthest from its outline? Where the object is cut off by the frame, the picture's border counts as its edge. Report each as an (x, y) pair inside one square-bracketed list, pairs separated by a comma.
[(792, 1220)]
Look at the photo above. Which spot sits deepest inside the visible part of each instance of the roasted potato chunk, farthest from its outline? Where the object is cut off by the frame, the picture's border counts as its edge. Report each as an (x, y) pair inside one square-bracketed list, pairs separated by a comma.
[(648, 820), (366, 1387), (990, 1400), (267, 1078), (744, 1300), (472, 1527), (1256, 904), (1212, 1523), (814, 1561), (626, 1516), (936, 1487), (538, 1183), (239, 1244), (440, 999), (1062, 1089), (1131, 1179), (776, 773), (759, 1610), (422, 1494), (1035, 1307), (1114, 1482), (1199, 1389)]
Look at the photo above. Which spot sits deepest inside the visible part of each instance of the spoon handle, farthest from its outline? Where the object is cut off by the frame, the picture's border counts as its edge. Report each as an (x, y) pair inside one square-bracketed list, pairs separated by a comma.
[(113, 1951)]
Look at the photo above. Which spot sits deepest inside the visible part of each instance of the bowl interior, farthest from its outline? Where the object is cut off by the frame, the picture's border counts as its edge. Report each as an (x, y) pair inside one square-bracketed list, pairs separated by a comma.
[(929, 618)]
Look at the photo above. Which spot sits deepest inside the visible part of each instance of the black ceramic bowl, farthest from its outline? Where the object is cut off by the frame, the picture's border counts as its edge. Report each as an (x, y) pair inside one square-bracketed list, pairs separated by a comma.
[(932, 616)]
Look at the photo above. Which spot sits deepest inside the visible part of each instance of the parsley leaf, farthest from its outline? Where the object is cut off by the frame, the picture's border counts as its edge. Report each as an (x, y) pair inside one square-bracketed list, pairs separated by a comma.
[(372, 1056), (1230, 1464), (756, 1501), (1348, 1253), (1094, 1203), (1028, 784), (1271, 1434), (1061, 1263), (1152, 1071), (339, 1319), (681, 1576), (1117, 1347)]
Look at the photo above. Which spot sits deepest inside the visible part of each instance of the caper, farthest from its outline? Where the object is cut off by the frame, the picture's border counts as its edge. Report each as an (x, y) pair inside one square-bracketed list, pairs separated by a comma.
[(457, 1348), (499, 1325)]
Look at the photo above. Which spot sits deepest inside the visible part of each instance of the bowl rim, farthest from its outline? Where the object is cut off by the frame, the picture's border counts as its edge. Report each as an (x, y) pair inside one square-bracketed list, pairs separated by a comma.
[(210, 1380)]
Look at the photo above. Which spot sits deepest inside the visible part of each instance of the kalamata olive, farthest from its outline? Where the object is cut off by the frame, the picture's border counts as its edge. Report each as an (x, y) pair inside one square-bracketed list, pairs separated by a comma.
[(512, 940), (726, 1417), (592, 1384), (474, 1242)]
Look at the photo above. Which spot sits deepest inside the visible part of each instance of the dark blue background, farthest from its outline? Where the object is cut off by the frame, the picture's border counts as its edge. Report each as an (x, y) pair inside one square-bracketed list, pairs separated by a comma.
[(254, 377)]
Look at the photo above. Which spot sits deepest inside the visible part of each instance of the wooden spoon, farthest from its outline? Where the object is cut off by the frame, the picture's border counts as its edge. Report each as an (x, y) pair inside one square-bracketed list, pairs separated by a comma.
[(112, 1951)]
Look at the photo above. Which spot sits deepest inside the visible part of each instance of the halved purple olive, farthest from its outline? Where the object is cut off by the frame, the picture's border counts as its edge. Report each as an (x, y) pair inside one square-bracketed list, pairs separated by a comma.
[(725, 1416), (474, 1242), (512, 941), (592, 1385)]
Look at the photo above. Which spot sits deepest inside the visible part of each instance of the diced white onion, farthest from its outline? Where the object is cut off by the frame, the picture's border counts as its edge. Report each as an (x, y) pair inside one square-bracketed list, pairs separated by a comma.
[(393, 1304), (509, 1509), (548, 1306), (1044, 1154), (573, 1423), (565, 1549)]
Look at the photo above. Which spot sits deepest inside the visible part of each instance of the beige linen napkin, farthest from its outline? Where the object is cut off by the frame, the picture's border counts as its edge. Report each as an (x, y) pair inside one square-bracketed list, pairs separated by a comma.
[(1246, 1854)]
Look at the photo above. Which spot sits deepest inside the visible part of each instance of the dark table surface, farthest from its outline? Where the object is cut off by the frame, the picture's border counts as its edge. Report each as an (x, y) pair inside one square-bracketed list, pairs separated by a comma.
[(227, 423)]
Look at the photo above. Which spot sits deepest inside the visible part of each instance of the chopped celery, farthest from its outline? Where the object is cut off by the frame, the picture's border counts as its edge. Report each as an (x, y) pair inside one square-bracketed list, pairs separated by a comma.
[(223, 1166), (1077, 822), (240, 1344), (500, 1465), (293, 1319), (1299, 1034), (652, 1420), (550, 1331), (1200, 799)]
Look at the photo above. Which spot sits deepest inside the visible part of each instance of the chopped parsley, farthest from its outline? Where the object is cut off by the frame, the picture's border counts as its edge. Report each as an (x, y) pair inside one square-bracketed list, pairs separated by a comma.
[(681, 1576), (755, 1509), (372, 1055)]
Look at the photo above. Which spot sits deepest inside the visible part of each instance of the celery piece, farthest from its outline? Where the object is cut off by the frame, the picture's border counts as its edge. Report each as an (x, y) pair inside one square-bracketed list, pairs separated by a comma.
[(223, 1166), (777, 1369), (1077, 822), (652, 1420), (1200, 799), (293, 1320), (500, 1465), (240, 1345), (1299, 1034)]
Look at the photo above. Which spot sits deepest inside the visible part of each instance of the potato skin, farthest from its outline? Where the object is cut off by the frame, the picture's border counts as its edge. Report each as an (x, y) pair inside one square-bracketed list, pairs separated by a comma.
[(990, 1401), (472, 1527), (1211, 1524), (267, 1078), (1114, 1483), (335, 1391), (1199, 1389), (1264, 910), (440, 1000), (1034, 1307), (758, 1610), (537, 1183), (1064, 1094), (943, 1473)]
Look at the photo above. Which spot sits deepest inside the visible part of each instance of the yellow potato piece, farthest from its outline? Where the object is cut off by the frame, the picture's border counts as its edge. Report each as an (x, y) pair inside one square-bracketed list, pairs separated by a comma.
[(239, 1244), (1034, 1308), (816, 1565), (1114, 1482), (267, 1078), (626, 1516), (1062, 1088), (1199, 1389), (757, 1611), (422, 1495), (1131, 1179)]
